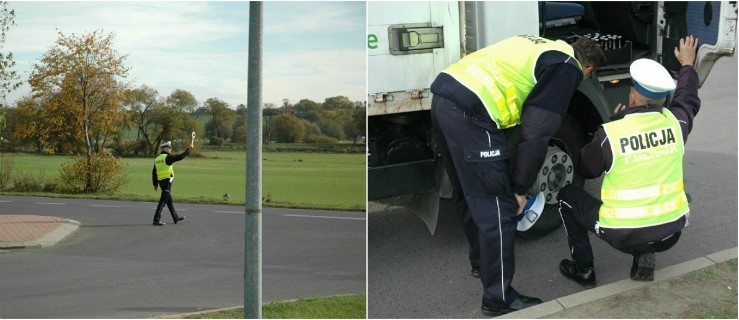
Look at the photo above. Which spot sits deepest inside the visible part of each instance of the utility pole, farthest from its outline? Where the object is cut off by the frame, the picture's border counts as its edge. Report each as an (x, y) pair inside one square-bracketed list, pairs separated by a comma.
[(253, 230)]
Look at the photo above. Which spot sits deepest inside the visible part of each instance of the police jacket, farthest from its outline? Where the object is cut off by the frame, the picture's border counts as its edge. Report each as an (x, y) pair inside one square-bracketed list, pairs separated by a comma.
[(596, 157), (169, 161), (542, 112)]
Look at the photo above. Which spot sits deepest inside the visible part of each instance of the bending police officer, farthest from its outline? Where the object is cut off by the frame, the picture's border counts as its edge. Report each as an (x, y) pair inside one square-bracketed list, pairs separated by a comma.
[(643, 207), (522, 81), (162, 176)]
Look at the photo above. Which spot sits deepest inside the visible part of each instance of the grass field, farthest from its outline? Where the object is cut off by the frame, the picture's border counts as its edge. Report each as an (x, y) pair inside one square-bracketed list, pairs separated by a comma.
[(337, 307), (290, 179)]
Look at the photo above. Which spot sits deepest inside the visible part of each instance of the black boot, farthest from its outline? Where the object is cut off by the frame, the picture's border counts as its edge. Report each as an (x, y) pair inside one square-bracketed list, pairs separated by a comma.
[(642, 269), (179, 219), (475, 272), (582, 272), (521, 302)]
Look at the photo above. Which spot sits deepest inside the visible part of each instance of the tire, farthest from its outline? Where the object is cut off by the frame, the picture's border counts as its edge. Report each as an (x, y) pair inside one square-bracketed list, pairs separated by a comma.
[(570, 139)]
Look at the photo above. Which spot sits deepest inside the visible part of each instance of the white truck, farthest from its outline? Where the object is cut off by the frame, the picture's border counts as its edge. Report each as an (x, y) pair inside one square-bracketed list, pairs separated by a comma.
[(410, 43)]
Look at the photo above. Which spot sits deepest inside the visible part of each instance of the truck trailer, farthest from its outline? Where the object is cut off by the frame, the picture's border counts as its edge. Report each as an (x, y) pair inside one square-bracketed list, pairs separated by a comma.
[(410, 43)]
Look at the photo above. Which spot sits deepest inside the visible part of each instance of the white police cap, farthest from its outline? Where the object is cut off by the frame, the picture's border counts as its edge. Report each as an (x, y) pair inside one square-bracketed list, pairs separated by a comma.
[(167, 144), (651, 79)]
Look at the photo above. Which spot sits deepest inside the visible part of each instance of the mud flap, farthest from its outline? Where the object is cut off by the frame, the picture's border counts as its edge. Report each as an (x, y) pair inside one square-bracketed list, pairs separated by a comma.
[(426, 205)]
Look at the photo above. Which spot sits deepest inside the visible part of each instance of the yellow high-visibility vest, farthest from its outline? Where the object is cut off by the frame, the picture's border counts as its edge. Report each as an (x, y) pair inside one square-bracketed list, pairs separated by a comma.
[(502, 75), (164, 171), (644, 186)]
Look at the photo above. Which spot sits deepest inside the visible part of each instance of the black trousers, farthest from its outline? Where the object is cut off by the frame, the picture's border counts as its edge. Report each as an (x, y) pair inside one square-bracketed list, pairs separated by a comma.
[(579, 212), (476, 157), (166, 198)]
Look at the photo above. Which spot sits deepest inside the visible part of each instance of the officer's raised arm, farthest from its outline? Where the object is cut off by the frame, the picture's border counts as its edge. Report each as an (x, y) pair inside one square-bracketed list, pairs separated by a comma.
[(686, 103)]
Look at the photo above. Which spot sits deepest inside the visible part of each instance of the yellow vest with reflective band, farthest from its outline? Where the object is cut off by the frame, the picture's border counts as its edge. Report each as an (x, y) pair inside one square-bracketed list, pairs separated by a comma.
[(644, 186), (164, 171), (502, 75)]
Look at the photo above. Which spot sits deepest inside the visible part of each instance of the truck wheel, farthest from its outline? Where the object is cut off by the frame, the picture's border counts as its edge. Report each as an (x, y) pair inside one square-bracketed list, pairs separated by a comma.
[(556, 172)]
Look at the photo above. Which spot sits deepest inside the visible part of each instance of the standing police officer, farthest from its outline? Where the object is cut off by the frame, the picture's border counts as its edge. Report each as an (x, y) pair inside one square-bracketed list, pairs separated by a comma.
[(522, 80), (162, 175), (644, 207)]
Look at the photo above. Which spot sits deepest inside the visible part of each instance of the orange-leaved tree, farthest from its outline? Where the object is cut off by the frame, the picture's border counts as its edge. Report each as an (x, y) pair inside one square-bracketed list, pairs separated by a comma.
[(81, 82)]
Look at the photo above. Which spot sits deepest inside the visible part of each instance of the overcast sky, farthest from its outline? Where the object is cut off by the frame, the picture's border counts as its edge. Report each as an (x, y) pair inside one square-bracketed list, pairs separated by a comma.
[(312, 50)]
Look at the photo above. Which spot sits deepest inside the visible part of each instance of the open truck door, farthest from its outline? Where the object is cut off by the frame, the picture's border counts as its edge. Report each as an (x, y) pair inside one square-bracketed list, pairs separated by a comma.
[(713, 22)]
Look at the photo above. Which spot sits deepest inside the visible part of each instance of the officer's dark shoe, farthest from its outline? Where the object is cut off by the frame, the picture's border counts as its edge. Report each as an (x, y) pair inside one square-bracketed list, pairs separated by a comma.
[(158, 223), (642, 269), (475, 273), (582, 272), (180, 219), (522, 302)]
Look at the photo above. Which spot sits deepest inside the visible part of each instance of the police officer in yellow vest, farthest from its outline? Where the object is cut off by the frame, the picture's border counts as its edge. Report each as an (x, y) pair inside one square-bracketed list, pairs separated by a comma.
[(163, 175), (522, 82), (644, 206)]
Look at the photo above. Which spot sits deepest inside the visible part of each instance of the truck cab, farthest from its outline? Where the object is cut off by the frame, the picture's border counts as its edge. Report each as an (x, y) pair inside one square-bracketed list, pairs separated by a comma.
[(410, 43)]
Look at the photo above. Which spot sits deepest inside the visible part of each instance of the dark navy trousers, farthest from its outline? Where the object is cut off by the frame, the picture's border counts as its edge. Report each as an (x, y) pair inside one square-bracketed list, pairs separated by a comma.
[(166, 198), (579, 212), (476, 155)]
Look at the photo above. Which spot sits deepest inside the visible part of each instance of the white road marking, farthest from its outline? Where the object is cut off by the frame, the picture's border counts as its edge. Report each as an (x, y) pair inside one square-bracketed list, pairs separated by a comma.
[(52, 203), (103, 206), (322, 217), (5, 201), (228, 211)]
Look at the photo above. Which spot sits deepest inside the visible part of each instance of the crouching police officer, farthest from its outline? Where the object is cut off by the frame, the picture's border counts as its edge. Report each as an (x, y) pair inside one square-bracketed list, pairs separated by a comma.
[(163, 175), (644, 207), (524, 81)]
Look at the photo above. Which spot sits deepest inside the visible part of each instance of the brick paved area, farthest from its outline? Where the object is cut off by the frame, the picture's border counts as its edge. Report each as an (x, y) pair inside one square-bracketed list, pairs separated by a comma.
[(18, 228)]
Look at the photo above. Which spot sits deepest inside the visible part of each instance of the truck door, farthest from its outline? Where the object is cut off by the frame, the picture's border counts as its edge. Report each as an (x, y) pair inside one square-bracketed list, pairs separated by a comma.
[(713, 22)]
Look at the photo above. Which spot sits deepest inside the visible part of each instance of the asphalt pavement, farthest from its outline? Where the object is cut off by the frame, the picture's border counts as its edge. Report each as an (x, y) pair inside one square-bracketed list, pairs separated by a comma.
[(413, 274), (118, 265)]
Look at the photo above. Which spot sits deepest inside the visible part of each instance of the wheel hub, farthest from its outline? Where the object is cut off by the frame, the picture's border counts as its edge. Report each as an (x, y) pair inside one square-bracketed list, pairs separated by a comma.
[(556, 172)]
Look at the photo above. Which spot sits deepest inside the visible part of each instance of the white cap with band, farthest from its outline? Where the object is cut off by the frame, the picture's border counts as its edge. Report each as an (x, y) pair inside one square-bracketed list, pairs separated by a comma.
[(651, 79), (167, 144)]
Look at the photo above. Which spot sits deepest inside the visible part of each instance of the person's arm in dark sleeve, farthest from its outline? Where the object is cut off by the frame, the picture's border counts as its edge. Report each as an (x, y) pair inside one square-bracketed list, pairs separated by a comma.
[(174, 158), (595, 157), (686, 103), (154, 176), (544, 110)]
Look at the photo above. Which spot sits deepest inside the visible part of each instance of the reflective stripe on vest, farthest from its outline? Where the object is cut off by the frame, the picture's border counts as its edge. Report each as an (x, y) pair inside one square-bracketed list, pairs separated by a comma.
[(644, 186), (164, 171), (502, 75)]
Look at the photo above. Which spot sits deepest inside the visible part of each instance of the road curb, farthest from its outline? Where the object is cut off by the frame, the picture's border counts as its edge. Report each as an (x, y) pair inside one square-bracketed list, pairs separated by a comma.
[(560, 304), (48, 240), (183, 315)]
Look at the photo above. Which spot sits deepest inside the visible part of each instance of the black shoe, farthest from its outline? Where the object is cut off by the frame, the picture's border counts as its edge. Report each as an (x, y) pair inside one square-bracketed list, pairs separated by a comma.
[(158, 223), (522, 302), (180, 219), (642, 269), (475, 273), (583, 273)]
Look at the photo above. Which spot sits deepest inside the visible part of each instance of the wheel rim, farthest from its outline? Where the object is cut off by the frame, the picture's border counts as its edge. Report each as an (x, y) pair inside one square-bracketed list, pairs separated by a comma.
[(556, 172)]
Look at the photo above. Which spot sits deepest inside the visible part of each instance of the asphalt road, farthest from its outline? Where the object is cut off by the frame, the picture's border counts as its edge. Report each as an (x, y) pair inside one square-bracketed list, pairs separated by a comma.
[(117, 265), (415, 275)]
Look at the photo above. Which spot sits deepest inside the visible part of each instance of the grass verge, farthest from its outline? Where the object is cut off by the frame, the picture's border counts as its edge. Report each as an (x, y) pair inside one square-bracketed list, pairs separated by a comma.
[(330, 181), (335, 307)]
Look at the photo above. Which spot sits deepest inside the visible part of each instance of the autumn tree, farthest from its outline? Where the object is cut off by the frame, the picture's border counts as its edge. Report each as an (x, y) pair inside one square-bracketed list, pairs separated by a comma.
[(182, 100), (287, 128), (308, 109), (9, 79), (222, 118), (81, 80), (171, 124), (239, 128), (358, 124), (140, 102)]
